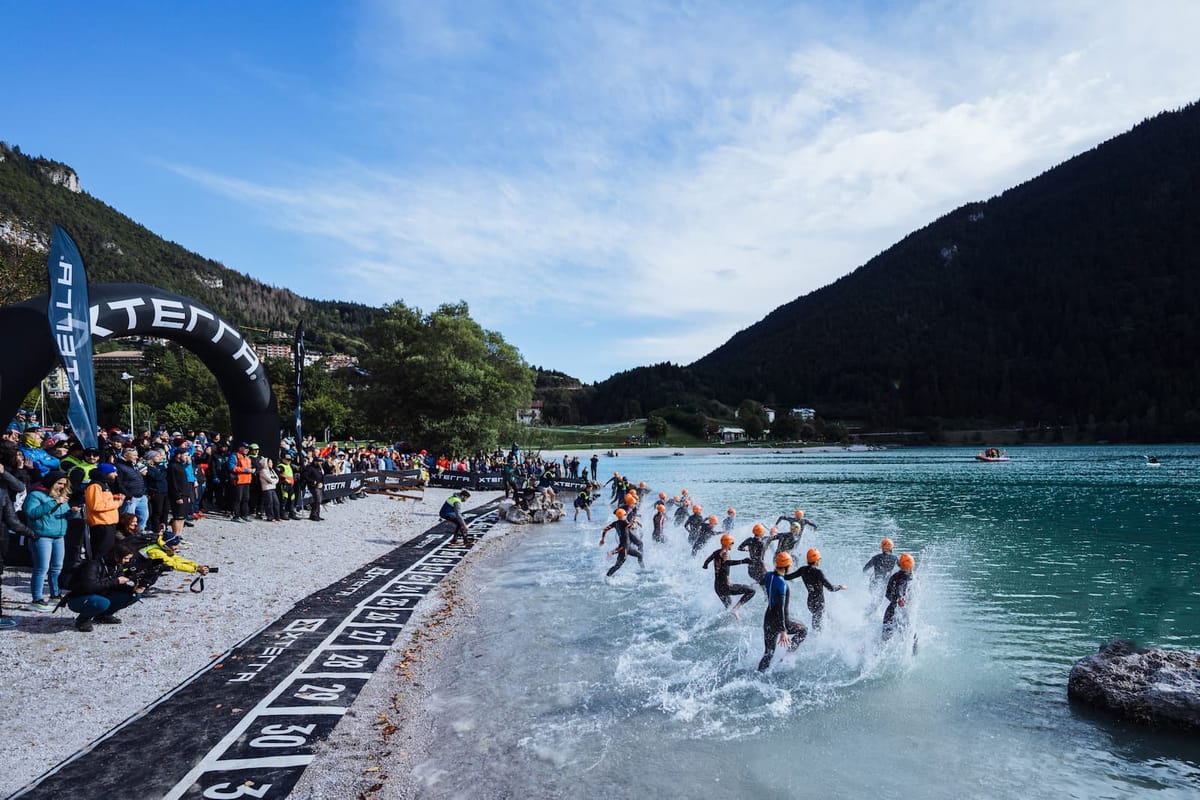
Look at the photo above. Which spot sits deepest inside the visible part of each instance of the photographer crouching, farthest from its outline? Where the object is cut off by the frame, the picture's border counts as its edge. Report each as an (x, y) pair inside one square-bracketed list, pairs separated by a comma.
[(100, 587)]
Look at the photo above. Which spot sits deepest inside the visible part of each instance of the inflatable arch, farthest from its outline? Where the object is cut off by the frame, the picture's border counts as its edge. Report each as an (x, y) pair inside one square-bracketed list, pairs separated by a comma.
[(133, 309)]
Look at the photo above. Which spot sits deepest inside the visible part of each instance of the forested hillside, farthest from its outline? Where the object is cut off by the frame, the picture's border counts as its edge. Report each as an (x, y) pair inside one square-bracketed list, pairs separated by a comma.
[(34, 195), (1072, 299)]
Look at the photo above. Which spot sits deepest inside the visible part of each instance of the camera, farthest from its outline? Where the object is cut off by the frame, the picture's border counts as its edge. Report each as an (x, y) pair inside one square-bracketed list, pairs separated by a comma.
[(213, 570)]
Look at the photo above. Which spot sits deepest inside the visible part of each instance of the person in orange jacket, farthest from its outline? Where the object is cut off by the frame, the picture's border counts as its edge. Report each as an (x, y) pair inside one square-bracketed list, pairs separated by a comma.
[(102, 509), (241, 471)]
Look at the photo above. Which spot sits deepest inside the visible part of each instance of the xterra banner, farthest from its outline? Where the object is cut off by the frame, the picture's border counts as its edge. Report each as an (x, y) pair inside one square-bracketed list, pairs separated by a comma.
[(70, 326)]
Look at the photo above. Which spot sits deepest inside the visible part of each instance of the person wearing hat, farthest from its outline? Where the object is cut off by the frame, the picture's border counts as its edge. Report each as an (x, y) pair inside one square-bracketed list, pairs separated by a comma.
[(102, 509), (778, 626), (897, 596), (47, 507), (256, 492), (881, 564), (721, 562), (451, 511), (241, 473), (286, 470), (313, 476), (31, 448)]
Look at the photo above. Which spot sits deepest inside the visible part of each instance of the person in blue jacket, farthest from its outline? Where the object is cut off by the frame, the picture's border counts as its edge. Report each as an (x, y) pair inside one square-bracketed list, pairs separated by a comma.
[(48, 507)]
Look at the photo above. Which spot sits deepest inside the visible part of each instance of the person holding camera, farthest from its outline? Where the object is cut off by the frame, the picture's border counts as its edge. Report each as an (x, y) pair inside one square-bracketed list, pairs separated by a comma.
[(47, 507), (100, 588)]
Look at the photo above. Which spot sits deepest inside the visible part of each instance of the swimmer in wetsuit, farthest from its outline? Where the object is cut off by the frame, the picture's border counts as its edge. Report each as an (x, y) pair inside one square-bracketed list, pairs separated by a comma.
[(755, 546), (721, 585), (777, 625), (897, 593), (707, 530), (660, 521), (816, 583), (796, 518), (882, 563), (729, 521), (624, 547), (786, 542)]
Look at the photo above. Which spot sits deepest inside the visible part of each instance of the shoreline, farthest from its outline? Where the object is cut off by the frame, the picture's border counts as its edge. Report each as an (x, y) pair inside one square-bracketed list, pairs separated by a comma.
[(66, 689)]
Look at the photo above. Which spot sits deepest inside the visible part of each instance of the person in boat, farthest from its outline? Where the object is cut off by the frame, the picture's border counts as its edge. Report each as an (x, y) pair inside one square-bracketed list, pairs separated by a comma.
[(755, 546), (778, 627), (897, 596), (881, 564), (721, 562), (816, 583), (624, 546)]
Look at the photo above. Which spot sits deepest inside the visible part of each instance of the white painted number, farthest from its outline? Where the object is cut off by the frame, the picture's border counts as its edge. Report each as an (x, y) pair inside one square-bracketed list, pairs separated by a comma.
[(221, 791), (344, 661), (320, 693), (279, 736)]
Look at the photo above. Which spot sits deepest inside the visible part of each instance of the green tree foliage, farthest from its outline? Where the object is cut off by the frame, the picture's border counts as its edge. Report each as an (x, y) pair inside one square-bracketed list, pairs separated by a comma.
[(441, 380), (656, 427), (117, 249), (752, 418), (786, 427)]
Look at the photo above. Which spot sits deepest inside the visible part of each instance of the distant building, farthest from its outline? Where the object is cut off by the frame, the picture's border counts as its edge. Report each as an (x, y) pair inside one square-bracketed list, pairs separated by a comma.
[(528, 416), (56, 382), (805, 414), (770, 412), (273, 350), (312, 357), (731, 434), (339, 361), (127, 360)]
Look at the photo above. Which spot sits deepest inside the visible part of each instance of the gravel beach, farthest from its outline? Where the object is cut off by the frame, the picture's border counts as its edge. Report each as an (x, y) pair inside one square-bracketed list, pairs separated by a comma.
[(63, 689)]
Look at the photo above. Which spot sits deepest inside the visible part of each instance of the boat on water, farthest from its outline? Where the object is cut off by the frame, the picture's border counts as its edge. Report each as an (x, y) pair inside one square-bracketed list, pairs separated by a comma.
[(1152, 461), (992, 454)]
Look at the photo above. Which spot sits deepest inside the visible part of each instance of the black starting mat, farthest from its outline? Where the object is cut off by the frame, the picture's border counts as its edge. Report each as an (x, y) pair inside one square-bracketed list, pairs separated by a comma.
[(246, 726)]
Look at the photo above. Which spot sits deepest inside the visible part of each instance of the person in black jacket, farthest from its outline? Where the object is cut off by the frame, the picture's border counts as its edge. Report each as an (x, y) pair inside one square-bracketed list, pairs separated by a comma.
[(99, 589), (179, 491), (131, 482), (314, 478), (156, 491)]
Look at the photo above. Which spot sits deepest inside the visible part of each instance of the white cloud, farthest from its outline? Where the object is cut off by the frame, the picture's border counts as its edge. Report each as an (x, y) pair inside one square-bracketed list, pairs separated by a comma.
[(716, 163)]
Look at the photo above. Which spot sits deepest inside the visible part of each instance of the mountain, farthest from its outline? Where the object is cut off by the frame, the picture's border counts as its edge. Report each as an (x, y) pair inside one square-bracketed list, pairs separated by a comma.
[(1072, 299), (36, 193)]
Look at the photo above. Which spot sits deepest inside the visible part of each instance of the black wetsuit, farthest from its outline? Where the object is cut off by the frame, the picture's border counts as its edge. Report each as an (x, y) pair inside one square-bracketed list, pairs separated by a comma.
[(624, 547), (755, 546), (681, 514), (660, 520), (883, 564), (776, 619), (816, 583), (701, 536), (721, 585), (897, 587), (788, 540)]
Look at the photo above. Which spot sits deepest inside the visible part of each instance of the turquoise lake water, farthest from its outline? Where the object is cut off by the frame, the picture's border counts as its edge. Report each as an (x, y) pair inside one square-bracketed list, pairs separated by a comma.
[(568, 684)]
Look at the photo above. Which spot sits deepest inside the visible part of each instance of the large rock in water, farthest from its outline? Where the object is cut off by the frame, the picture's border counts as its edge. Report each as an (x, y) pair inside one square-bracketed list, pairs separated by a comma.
[(1153, 687)]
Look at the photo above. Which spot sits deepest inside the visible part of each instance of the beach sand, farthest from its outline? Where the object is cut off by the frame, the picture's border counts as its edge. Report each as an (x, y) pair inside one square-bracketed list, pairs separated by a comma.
[(63, 689)]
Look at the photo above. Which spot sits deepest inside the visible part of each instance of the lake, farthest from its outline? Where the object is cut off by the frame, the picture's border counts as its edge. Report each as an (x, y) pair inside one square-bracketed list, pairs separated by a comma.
[(568, 684)]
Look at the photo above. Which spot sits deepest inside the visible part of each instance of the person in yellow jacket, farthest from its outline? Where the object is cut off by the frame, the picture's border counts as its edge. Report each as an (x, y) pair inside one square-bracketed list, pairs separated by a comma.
[(162, 553), (102, 509)]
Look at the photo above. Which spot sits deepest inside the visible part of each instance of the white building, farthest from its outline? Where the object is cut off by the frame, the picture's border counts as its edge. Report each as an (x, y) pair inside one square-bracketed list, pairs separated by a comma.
[(731, 434)]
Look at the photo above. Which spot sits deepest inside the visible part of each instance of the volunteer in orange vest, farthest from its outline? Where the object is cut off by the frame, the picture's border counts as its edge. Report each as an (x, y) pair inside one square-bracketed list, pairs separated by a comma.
[(241, 471)]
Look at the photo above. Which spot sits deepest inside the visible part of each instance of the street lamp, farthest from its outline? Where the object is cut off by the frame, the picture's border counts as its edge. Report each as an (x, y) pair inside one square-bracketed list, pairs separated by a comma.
[(125, 376)]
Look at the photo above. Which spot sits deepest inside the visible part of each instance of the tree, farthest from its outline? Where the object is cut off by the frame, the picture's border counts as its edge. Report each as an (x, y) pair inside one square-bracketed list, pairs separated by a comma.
[(753, 418), (656, 427), (786, 427), (441, 380)]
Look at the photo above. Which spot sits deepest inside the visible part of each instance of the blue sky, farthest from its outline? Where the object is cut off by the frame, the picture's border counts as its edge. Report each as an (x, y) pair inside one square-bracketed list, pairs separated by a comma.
[(606, 184)]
